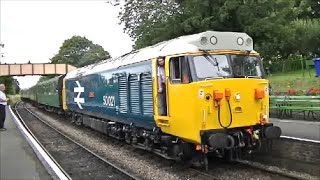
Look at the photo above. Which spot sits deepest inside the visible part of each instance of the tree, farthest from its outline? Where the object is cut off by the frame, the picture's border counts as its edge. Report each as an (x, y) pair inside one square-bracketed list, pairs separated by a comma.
[(8, 81), (79, 51), (307, 37), (280, 28), (145, 20), (44, 78), (268, 22), (308, 9)]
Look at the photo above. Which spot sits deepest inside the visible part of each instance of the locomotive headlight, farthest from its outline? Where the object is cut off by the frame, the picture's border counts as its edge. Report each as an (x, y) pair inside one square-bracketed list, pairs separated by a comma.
[(265, 117), (213, 40), (237, 97), (240, 41), (204, 40), (248, 41)]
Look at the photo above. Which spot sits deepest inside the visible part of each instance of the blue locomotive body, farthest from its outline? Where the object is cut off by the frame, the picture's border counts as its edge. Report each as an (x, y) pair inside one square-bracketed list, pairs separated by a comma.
[(121, 95)]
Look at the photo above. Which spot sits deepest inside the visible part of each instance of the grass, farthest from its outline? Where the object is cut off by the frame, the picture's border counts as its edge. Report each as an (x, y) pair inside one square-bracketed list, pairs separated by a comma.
[(297, 80)]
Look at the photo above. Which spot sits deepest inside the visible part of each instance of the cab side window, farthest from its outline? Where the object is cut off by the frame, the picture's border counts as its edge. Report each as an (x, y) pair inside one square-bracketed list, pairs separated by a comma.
[(179, 70)]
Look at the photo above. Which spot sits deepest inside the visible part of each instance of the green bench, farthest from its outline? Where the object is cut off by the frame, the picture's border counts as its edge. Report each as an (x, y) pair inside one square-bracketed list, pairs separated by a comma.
[(287, 105)]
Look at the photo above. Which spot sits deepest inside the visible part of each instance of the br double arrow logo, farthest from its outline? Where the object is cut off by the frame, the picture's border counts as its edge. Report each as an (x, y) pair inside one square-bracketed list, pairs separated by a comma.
[(78, 90)]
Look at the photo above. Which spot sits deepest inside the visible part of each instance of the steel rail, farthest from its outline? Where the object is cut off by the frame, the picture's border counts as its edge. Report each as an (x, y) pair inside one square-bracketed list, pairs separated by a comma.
[(64, 174), (93, 153), (276, 170), (204, 175)]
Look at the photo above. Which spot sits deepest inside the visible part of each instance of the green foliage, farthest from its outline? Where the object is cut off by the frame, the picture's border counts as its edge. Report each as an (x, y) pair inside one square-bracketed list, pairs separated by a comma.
[(280, 28), (146, 21), (308, 9), (44, 78), (8, 81), (307, 36), (79, 51)]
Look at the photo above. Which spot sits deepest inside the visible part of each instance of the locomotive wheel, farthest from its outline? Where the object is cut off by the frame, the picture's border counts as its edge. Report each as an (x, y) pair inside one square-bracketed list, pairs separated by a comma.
[(78, 120), (73, 117)]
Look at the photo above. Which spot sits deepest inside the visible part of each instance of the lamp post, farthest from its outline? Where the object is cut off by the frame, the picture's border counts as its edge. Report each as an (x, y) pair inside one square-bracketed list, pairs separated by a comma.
[(1, 46)]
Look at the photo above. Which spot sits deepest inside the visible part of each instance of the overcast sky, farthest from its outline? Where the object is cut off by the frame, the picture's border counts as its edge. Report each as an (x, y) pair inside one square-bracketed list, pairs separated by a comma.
[(35, 30)]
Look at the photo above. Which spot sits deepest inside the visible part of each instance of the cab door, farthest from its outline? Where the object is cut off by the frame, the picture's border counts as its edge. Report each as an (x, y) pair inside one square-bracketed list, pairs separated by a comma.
[(180, 97), (161, 117)]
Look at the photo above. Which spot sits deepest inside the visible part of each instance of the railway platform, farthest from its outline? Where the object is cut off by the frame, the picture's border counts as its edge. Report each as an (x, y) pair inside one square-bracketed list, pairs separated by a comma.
[(298, 129), (17, 158)]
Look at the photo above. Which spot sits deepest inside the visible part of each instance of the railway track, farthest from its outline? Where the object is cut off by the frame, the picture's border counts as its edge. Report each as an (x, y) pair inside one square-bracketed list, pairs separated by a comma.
[(275, 170), (217, 170), (74, 159)]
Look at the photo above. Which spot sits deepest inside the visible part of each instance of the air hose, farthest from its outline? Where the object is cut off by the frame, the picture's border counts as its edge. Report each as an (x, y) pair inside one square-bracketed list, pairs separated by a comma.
[(230, 116)]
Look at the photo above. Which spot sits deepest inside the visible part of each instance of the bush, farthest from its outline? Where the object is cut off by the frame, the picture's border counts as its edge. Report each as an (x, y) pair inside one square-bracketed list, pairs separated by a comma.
[(13, 99)]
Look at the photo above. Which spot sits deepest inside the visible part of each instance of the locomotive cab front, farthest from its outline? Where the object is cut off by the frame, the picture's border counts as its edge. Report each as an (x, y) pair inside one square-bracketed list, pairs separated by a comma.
[(217, 99), (233, 97)]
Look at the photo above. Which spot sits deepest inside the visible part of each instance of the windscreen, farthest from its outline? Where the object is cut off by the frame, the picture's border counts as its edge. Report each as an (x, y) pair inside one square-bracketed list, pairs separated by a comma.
[(246, 66)]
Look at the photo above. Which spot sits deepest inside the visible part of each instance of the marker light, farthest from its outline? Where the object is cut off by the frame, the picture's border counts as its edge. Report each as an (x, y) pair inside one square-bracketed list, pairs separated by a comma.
[(240, 41), (259, 93), (263, 119), (213, 40), (217, 97), (248, 41), (227, 93)]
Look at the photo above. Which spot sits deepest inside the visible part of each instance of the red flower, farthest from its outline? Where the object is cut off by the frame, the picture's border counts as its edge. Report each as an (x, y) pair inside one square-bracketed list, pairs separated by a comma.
[(313, 91), (291, 92)]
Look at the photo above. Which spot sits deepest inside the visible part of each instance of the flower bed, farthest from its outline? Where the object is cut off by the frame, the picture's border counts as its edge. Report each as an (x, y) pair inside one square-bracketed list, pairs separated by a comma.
[(293, 92)]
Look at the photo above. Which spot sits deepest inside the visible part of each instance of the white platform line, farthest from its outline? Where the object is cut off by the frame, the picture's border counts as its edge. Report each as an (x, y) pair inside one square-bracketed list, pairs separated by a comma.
[(300, 139), (42, 155)]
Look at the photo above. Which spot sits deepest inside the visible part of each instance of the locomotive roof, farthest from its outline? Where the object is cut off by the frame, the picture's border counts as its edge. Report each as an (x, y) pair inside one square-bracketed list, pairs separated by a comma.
[(209, 40)]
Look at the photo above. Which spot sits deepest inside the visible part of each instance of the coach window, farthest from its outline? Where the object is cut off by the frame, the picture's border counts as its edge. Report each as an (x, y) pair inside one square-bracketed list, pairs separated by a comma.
[(179, 70)]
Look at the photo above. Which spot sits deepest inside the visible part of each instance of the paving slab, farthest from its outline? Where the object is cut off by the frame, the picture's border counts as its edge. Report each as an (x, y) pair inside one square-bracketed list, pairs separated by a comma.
[(17, 159), (298, 128)]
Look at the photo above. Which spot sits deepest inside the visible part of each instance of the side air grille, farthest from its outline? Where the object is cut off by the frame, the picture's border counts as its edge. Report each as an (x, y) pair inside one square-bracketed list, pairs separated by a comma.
[(134, 94), (123, 95), (147, 101)]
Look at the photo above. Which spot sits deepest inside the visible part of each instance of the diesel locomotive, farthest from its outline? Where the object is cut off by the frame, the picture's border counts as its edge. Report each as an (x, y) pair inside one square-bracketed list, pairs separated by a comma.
[(216, 97)]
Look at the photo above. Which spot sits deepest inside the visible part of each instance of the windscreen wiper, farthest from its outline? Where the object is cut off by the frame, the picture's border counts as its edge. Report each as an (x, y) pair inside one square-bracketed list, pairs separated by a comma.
[(243, 76), (239, 76), (209, 78), (210, 60), (254, 77)]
